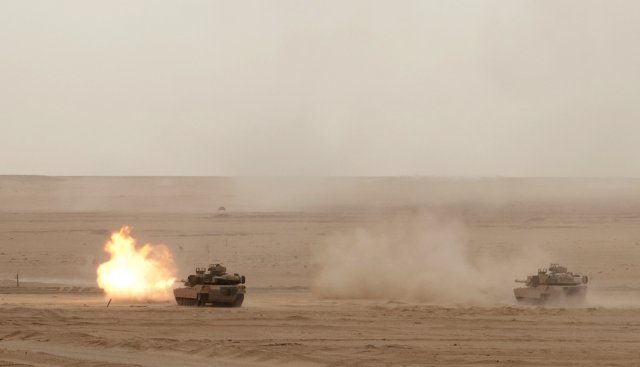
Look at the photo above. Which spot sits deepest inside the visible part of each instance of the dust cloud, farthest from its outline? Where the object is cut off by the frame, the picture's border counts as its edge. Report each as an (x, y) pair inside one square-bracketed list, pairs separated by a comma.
[(613, 298), (419, 258)]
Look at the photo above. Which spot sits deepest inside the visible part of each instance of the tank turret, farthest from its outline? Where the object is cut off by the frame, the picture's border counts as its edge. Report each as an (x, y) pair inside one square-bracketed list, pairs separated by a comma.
[(552, 284)]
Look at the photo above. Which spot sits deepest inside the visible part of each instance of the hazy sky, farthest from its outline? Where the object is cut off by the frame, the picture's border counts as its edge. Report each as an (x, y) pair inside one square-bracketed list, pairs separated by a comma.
[(465, 88)]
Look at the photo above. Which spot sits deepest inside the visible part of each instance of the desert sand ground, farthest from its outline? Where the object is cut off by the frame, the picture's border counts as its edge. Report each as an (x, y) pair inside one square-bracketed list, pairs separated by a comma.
[(275, 231)]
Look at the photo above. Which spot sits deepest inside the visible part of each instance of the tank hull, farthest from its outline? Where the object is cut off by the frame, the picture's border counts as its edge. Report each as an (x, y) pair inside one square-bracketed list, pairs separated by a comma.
[(206, 294), (546, 294)]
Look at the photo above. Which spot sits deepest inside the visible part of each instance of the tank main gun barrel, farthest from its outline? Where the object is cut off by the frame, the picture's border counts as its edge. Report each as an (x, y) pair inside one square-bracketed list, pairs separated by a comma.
[(520, 281)]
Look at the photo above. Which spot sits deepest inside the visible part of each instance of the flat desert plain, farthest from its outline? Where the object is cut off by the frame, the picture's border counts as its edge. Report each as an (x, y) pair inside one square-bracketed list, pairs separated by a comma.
[(340, 271)]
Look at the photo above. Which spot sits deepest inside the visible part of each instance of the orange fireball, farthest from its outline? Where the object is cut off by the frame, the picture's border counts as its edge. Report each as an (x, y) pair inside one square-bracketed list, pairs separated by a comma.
[(145, 273)]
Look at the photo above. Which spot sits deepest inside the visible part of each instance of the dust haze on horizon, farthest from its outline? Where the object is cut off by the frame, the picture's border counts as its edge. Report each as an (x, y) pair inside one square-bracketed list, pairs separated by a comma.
[(357, 88)]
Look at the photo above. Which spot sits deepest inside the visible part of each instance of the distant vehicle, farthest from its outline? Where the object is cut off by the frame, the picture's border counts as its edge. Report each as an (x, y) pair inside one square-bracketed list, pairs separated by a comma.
[(212, 285), (555, 284)]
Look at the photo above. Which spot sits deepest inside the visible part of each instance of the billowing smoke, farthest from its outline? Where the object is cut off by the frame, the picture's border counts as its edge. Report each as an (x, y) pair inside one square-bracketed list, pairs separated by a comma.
[(420, 258)]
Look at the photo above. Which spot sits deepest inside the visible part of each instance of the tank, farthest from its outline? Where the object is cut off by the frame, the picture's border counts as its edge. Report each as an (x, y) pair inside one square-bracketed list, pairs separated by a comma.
[(212, 286), (555, 284)]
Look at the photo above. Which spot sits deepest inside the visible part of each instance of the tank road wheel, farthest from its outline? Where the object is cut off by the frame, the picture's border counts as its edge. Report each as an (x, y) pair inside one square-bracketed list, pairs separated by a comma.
[(202, 299), (238, 301)]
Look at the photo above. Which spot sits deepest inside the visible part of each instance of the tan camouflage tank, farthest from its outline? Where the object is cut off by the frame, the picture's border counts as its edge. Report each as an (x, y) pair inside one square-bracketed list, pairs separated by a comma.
[(555, 284), (212, 286)]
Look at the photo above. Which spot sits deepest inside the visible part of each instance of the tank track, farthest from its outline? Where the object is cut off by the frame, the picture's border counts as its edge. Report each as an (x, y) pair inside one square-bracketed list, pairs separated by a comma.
[(195, 302), (187, 301)]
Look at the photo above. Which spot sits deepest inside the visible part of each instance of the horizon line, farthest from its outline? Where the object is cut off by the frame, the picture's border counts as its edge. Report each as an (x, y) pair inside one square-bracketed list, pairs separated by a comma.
[(332, 176)]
